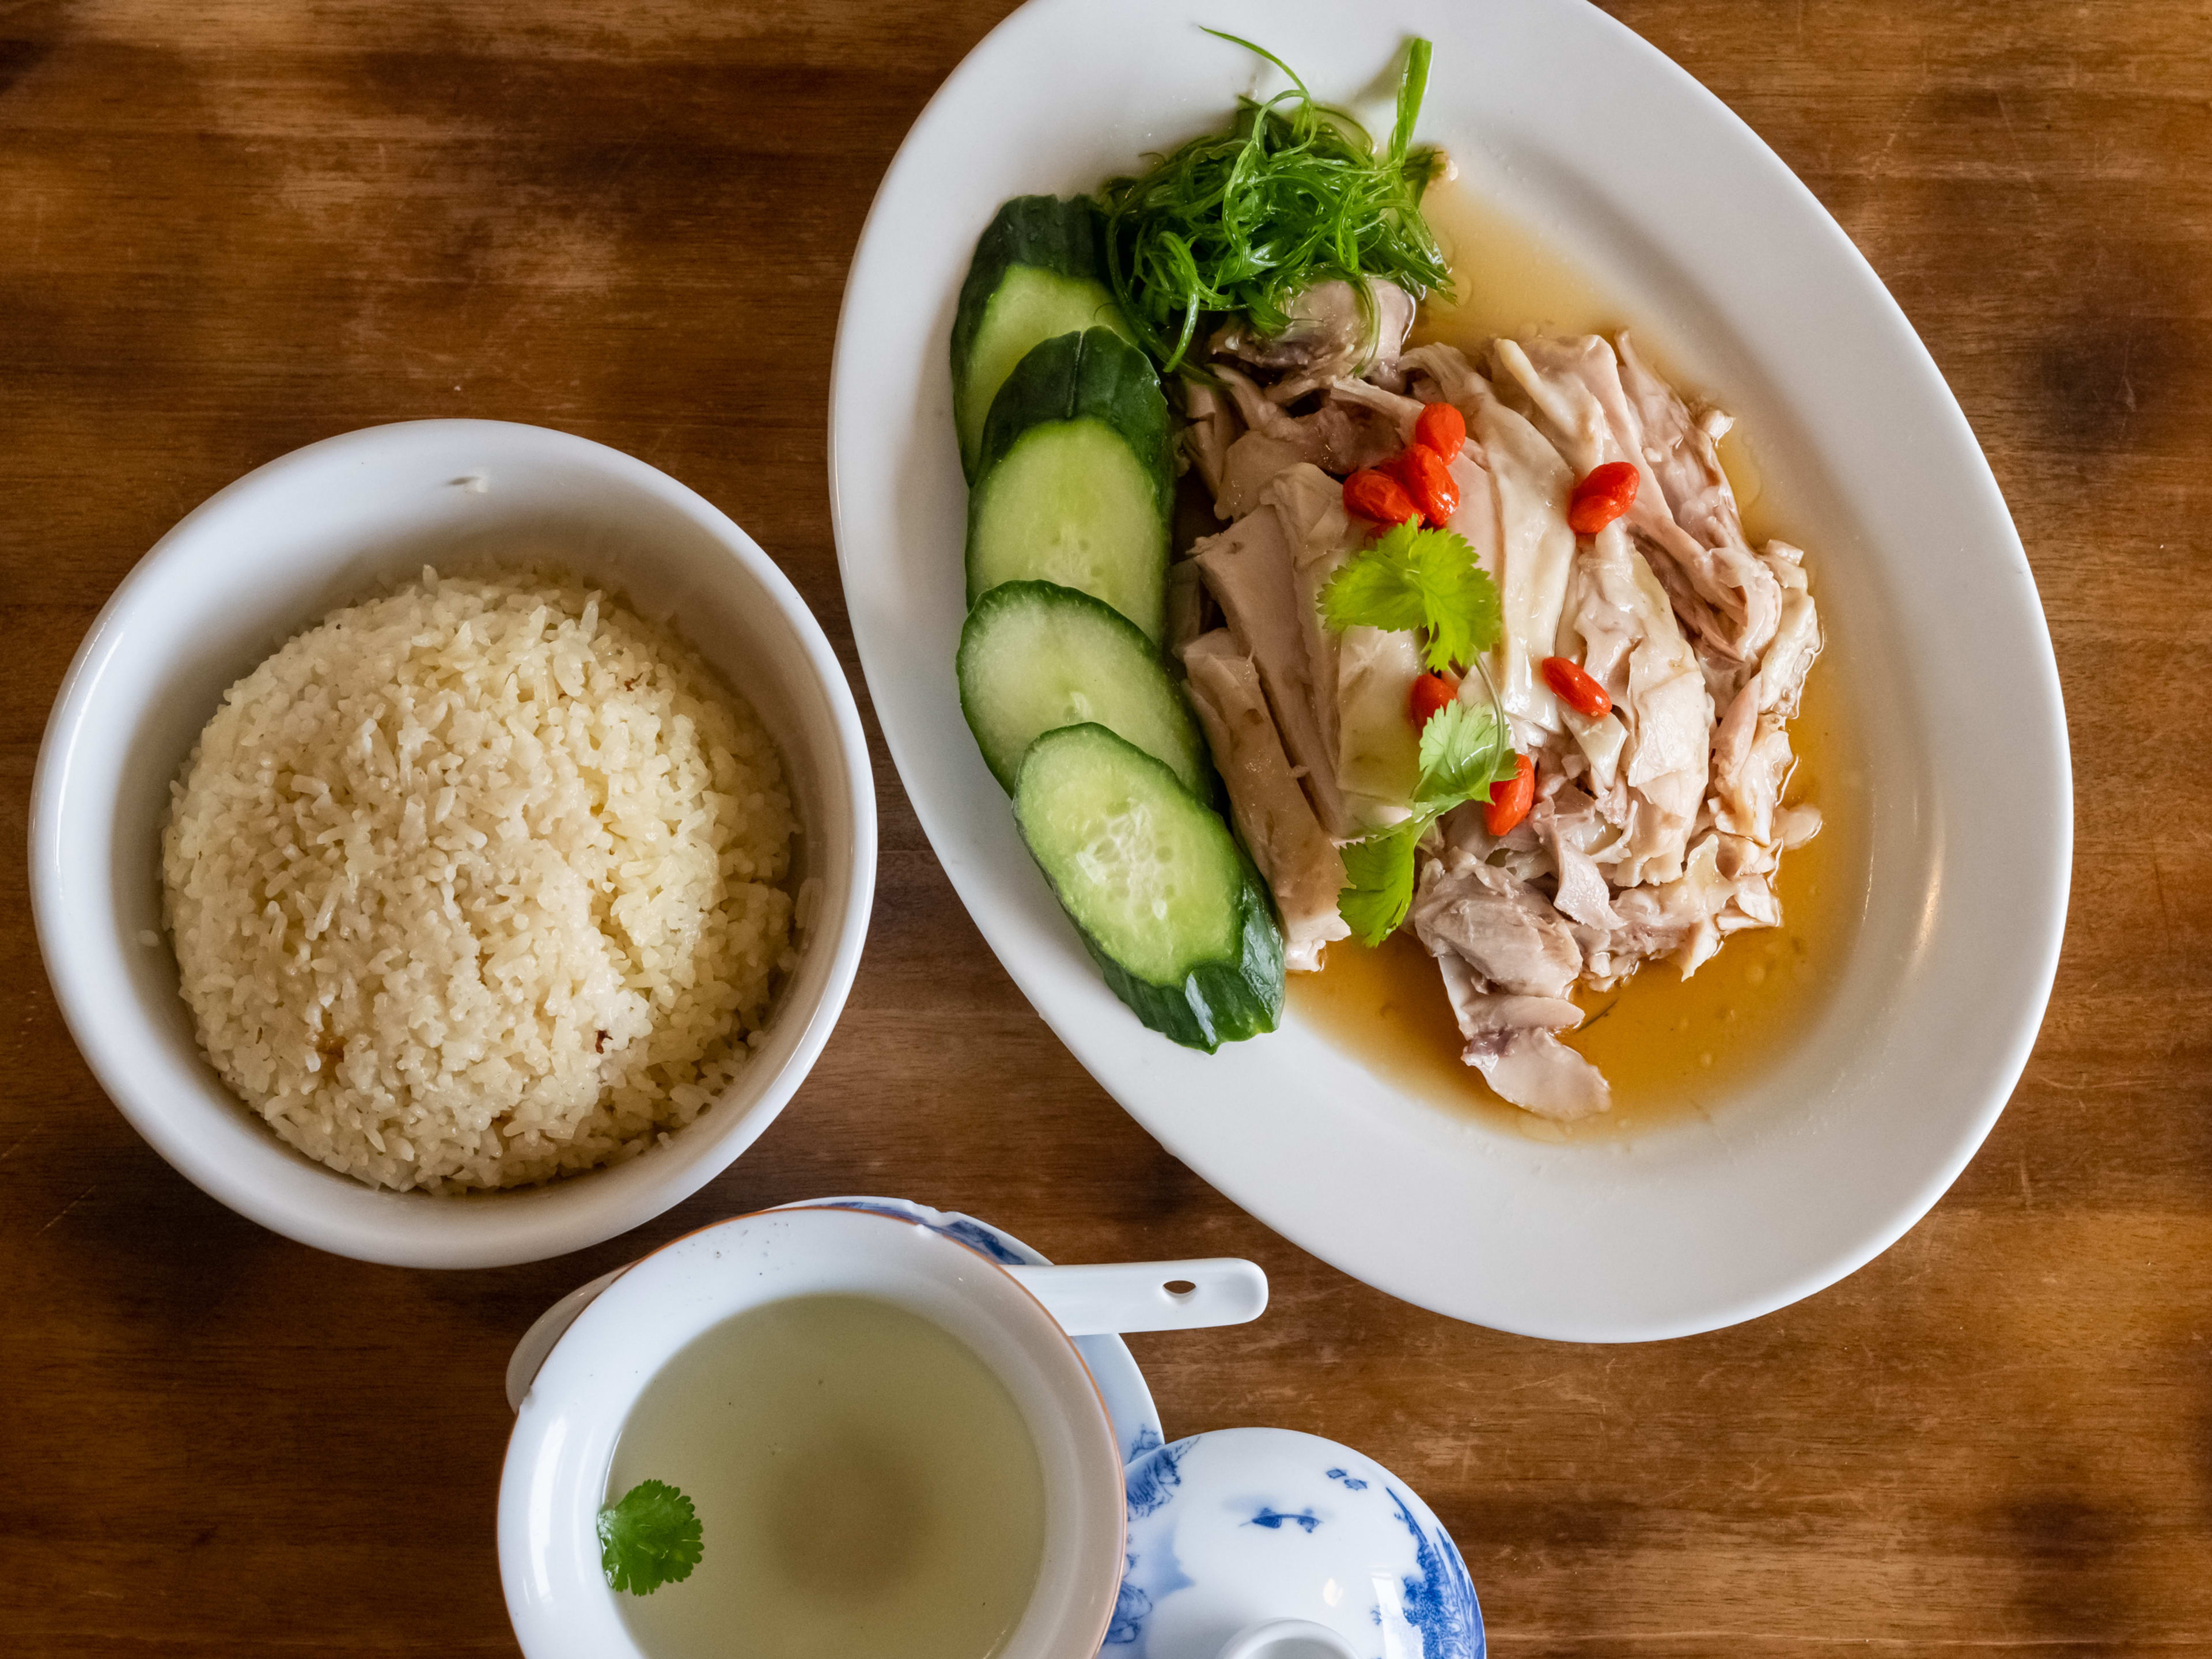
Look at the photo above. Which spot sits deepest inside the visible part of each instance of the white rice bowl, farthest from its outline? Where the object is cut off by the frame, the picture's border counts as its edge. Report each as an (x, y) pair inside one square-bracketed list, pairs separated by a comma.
[(478, 884)]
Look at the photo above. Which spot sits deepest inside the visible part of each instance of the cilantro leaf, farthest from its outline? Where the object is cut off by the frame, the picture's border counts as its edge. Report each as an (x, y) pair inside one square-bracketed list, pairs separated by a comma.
[(649, 1539), (1382, 891), (1465, 749), (1423, 579), (1379, 586)]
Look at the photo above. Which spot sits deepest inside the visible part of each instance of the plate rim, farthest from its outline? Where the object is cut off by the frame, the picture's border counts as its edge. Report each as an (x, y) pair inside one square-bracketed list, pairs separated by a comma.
[(2048, 893)]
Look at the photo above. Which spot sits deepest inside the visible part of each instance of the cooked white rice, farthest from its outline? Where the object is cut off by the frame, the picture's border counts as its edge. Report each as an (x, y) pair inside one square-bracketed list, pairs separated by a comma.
[(478, 884)]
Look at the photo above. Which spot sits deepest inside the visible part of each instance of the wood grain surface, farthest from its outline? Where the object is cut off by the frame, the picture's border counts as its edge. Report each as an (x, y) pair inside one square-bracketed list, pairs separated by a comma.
[(231, 228)]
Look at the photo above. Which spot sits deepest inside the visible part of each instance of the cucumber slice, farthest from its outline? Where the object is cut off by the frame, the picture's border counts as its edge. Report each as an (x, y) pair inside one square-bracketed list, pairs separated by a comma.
[(1034, 657), (1038, 272), (1167, 904), (1076, 483)]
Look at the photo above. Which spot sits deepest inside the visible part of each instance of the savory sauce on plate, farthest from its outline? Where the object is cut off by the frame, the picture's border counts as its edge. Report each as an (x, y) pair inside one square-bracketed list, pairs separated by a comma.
[(1670, 1047)]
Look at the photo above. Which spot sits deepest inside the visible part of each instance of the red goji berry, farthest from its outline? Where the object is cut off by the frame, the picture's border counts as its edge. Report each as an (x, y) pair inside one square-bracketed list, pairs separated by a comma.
[(1605, 493), (1368, 493), (1575, 688), (1442, 428), (1509, 801), (1431, 695), (1428, 481)]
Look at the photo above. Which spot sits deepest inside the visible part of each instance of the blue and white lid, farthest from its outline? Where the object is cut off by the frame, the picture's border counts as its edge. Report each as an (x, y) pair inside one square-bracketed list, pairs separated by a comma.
[(1282, 1539)]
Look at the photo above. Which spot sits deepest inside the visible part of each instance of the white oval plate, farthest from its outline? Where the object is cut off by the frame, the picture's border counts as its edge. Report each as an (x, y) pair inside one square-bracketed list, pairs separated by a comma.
[(1570, 122)]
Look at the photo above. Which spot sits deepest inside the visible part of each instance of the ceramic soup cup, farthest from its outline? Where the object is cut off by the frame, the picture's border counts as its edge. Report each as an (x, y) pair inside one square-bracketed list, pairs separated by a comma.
[(1015, 1320)]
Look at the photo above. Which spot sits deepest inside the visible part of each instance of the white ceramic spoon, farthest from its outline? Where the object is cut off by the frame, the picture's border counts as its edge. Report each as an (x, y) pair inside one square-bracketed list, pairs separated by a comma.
[(1115, 1298), (1091, 1300)]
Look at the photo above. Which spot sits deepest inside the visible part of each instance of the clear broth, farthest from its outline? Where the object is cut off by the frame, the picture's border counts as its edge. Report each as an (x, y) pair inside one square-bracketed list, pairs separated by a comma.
[(1671, 1048), (866, 1489)]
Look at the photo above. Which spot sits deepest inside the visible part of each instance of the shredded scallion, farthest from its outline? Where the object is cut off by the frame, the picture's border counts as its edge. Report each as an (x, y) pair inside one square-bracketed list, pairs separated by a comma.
[(1238, 223)]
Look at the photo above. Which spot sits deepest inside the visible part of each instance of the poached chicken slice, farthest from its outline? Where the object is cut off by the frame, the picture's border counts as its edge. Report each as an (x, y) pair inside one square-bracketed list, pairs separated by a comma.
[(1355, 426), (1751, 755), (1730, 601), (1508, 961), (1338, 700), (1334, 331), (1498, 925), (1249, 570), (1682, 449), (1302, 865), (1617, 624), (1511, 1040), (1363, 676), (1212, 425), (1687, 919)]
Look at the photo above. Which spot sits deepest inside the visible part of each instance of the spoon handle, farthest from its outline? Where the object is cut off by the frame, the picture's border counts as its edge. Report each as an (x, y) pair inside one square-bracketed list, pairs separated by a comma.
[(1135, 1296)]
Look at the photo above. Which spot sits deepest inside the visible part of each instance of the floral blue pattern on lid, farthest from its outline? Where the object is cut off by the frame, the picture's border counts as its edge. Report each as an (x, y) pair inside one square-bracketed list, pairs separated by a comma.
[(1241, 1525)]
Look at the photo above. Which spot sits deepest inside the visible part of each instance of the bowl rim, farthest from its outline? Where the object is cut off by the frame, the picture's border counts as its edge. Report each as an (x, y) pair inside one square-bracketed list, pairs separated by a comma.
[(416, 1229), (527, 1449)]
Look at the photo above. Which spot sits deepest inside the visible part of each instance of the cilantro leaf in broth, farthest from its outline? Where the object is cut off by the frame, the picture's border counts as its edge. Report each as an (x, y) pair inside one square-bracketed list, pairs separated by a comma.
[(651, 1538), (1382, 889), (1411, 578), (1465, 749)]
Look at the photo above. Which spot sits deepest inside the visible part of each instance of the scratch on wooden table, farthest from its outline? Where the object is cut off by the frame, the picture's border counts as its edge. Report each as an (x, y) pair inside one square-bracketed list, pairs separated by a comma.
[(2020, 155), (2157, 872), (1902, 124), (1558, 1385), (67, 1207)]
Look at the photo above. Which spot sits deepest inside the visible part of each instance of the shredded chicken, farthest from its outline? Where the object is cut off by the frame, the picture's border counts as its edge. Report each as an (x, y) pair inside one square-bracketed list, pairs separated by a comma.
[(1658, 827), (1300, 863), (1574, 390), (1497, 924), (1511, 1041), (1344, 430), (1335, 333)]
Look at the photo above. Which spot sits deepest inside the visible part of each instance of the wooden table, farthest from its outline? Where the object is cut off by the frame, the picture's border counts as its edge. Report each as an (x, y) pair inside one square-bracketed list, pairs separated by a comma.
[(228, 229)]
